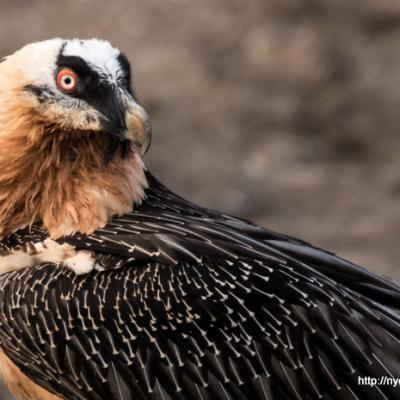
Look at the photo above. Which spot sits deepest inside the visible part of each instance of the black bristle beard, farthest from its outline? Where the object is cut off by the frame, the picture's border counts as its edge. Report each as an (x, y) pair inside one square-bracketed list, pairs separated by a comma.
[(110, 146), (116, 146)]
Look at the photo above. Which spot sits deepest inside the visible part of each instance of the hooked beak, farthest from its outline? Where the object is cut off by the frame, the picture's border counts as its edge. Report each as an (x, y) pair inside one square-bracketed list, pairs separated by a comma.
[(138, 128), (123, 117)]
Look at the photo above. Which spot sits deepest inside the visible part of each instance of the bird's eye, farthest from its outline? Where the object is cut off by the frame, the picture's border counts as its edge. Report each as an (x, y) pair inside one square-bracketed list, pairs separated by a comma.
[(67, 80)]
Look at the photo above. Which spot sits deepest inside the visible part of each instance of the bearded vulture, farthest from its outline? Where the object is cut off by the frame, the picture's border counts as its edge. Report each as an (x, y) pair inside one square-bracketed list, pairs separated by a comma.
[(113, 287)]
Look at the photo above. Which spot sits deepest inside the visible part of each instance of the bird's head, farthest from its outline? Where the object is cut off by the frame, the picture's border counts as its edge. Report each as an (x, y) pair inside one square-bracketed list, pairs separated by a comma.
[(72, 134), (74, 86)]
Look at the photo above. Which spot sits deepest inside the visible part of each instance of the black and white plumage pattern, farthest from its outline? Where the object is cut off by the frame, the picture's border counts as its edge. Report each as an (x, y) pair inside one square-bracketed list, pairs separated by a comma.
[(199, 305)]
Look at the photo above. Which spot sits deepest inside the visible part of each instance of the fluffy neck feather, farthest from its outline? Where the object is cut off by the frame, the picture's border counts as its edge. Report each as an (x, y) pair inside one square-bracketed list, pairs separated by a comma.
[(61, 177)]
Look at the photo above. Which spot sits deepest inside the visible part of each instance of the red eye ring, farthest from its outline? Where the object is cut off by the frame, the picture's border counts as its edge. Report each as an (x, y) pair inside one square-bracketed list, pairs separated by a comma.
[(67, 80)]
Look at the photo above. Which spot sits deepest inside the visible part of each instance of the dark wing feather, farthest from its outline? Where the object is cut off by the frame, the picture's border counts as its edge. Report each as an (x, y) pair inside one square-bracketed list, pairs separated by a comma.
[(200, 305)]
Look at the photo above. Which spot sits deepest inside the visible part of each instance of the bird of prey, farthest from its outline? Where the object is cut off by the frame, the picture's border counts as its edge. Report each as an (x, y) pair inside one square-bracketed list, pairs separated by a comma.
[(114, 287)]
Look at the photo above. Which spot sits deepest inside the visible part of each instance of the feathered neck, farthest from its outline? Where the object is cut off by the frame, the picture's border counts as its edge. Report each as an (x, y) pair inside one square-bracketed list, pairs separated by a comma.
[(62, 178)]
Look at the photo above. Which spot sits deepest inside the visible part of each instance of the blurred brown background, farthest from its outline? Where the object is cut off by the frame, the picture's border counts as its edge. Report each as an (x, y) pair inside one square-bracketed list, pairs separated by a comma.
[(284, 112)]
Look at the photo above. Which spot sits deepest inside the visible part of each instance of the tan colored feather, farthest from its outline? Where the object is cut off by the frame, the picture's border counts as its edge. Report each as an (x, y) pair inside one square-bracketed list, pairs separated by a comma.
[(59, 175), (19, 384)]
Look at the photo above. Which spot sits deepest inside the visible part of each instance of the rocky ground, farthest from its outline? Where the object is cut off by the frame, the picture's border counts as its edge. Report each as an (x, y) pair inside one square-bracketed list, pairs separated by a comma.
[(284, 112)]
